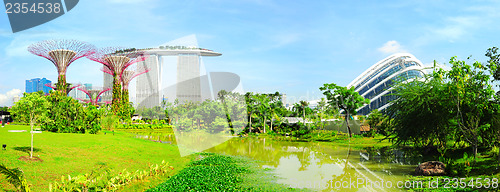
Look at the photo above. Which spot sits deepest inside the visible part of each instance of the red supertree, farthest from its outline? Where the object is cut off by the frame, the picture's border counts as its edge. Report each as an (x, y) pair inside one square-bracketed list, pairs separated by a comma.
[(127, 77), (115, 61), (62, 53), (94, 94)]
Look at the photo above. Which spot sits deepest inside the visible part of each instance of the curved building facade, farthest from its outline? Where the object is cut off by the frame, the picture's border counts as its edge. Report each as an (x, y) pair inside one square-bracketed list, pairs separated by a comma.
[(376, 82)]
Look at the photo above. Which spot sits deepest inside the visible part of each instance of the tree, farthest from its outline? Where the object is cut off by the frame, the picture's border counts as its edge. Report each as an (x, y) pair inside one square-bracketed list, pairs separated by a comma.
[(493, 65), (263, 107), (345, 99), (222, 96), (374, 119), (471, 93), (34, 106), (304, 104), (321, 110), (421, 111)]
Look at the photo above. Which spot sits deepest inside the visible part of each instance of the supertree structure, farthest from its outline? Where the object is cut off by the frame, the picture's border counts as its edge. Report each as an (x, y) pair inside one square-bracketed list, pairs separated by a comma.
[(62, 53), (94, 94), (127, 77), (68, 89), (115, 61)]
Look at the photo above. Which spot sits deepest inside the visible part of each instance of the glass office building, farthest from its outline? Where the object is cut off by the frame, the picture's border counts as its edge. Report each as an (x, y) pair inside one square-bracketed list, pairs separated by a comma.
[(37, 84), (376, 82)]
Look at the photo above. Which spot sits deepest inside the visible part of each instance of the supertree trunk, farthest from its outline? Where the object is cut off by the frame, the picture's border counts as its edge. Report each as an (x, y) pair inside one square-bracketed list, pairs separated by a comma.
[(126, 78), (62, 53), (115, 61), (116, 104)]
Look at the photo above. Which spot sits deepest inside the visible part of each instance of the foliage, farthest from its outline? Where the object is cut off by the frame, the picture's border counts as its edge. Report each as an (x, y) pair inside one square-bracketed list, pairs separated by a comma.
[(152, 113), (344, 98), (15, 177), (459, 167), (375, 119), (143, 125), (109, 122), (471, 94), (102, 180), (34, 108), (31, 108), (493, 63), (421, 112), (67, 115), (211, 173), (454, 105), (224, 114)]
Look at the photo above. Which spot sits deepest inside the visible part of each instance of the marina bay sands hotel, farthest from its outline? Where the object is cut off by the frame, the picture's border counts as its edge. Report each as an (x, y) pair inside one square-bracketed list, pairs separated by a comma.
[(190, 85)]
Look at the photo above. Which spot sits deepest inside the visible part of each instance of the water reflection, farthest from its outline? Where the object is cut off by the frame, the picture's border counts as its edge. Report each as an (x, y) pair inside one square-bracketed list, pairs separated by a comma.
[(320, 166), (156, 136)]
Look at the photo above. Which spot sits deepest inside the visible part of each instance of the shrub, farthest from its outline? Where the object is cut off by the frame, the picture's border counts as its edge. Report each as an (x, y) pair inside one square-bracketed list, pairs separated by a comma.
[(102, 180), (110, 122), (66, 115)]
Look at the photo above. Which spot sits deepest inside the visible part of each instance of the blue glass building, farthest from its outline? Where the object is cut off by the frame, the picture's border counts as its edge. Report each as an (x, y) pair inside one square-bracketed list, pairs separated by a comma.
[(377, 81), (37, 84)]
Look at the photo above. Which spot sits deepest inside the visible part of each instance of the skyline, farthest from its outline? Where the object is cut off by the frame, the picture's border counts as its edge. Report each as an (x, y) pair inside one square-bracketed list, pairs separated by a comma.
[(290, 47)]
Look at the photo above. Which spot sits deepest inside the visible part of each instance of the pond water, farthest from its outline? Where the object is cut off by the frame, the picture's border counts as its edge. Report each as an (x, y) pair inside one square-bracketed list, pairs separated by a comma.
[(319, 166)]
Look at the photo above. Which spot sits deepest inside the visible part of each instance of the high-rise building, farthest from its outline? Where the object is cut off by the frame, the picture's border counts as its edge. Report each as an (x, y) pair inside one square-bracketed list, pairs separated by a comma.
[(37, 84), (107, 82), (190, 85), (148, 85)]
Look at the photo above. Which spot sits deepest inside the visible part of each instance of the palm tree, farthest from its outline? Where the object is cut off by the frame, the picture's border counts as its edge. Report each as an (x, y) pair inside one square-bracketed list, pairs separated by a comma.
[(15, 177), (304, 104)]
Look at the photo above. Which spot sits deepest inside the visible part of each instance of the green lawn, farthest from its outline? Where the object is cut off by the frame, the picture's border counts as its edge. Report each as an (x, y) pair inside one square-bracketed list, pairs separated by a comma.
[(73, 154)]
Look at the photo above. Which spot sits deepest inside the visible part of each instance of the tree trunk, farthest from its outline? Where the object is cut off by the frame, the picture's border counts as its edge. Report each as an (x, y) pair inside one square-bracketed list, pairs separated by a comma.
[(31, 123), (474, 150), (264, 124), (347, 123), (304, 116), (250, 124), (271, 124)]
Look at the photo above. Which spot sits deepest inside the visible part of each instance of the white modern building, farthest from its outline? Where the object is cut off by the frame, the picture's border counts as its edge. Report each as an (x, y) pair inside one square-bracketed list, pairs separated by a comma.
[(190, 85), (376, 82)]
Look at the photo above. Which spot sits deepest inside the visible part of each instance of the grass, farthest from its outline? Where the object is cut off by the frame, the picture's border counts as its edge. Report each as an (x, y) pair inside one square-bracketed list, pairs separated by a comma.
[(212, 172), (73, 154)]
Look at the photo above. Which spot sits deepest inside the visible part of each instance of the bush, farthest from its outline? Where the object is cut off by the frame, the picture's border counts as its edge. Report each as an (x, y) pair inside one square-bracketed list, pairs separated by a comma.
[(102, 180), (66, 115), (110, 122)]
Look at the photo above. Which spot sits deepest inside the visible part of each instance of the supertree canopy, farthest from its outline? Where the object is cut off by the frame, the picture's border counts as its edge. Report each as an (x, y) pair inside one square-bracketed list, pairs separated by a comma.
[(115, 61), (62, 53), (94, 94)]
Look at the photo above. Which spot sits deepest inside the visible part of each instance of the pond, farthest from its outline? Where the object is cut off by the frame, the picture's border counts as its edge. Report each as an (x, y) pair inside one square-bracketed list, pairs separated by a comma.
[(319, 166)]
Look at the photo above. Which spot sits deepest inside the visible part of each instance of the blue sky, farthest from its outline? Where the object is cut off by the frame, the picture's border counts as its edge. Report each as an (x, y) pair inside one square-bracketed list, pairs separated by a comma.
[(289, 46)]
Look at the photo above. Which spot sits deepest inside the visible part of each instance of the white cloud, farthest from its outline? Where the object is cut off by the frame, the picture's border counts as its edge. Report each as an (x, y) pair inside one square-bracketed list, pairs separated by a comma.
[(6, 99), (391, 47)]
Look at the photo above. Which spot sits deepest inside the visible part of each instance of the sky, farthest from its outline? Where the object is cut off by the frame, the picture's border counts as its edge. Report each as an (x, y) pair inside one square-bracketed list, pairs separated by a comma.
[(293, 47)]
